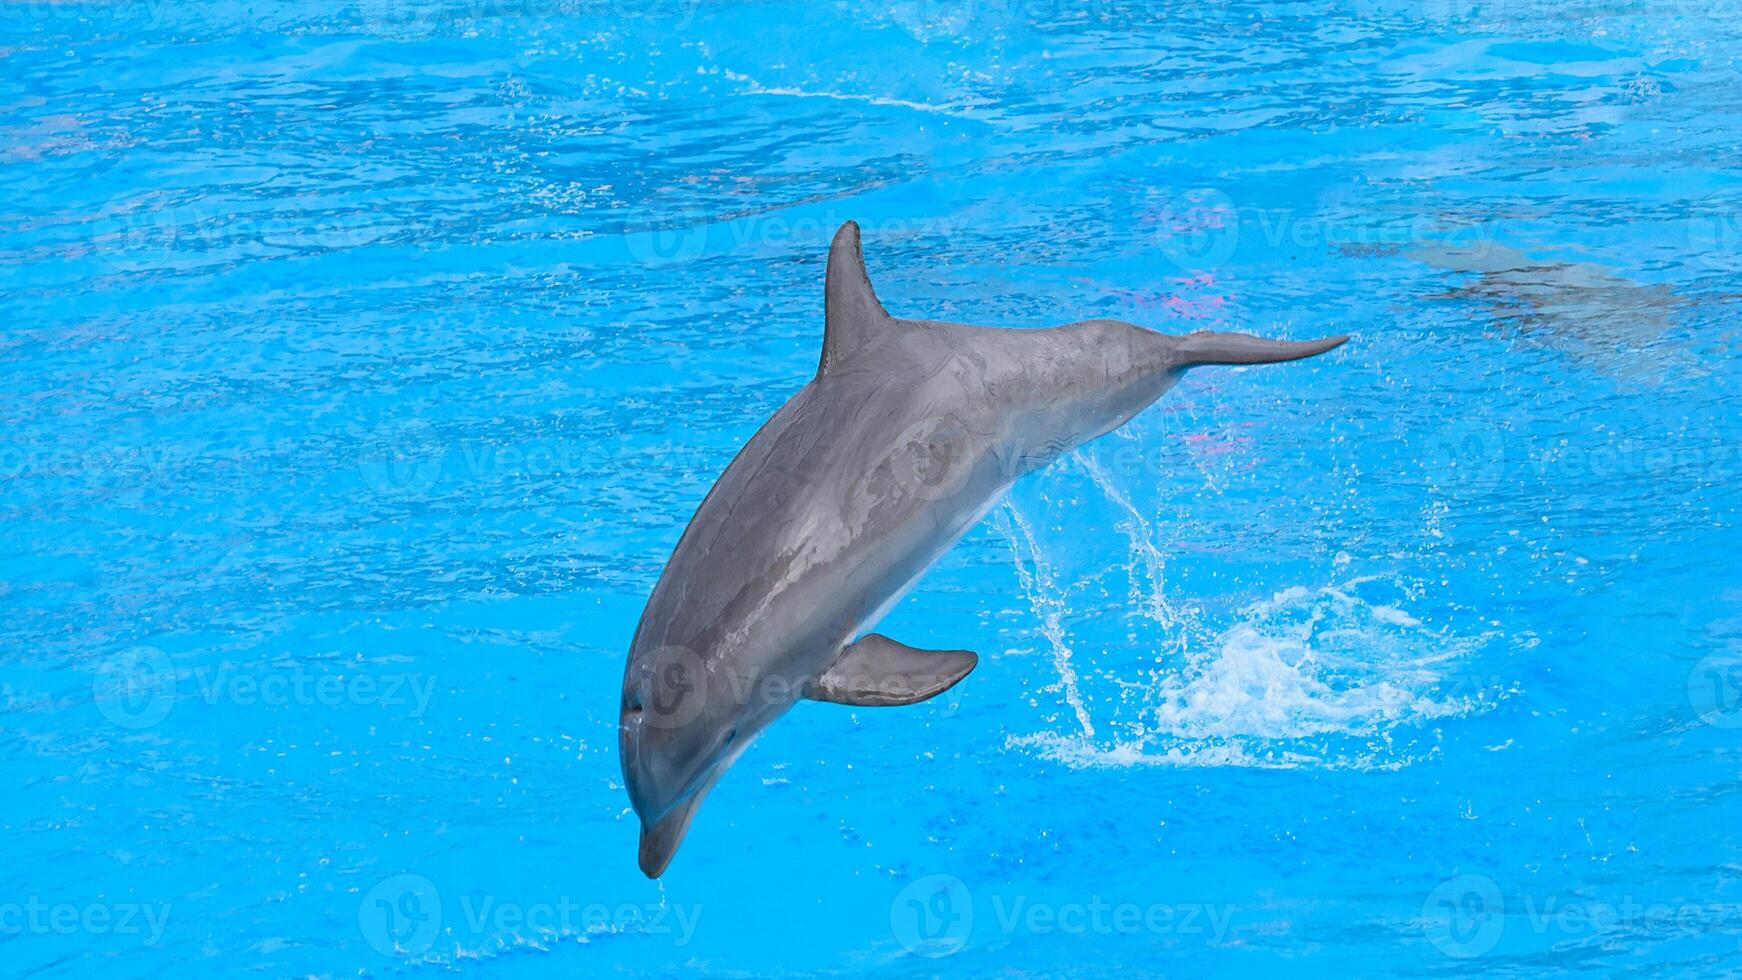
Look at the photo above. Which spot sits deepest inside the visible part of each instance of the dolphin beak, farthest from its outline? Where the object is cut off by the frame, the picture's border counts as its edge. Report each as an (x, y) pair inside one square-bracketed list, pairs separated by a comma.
[(659, 840)]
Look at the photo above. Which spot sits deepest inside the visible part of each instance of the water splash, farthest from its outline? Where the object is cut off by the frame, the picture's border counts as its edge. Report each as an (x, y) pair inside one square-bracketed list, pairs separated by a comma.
[(1336, 676), (1040, 585), (1311, 662), (1149, 595)]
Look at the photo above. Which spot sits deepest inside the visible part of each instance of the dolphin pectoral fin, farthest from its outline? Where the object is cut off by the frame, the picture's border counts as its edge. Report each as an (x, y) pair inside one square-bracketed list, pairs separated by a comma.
[(878, 672)]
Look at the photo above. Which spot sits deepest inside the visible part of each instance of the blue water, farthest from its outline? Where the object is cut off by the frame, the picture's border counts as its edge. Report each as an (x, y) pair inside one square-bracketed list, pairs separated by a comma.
[(363, 363)]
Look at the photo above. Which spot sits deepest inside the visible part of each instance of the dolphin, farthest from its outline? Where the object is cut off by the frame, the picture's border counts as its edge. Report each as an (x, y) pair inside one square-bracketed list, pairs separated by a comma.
[(1583, 309), (908, 434)]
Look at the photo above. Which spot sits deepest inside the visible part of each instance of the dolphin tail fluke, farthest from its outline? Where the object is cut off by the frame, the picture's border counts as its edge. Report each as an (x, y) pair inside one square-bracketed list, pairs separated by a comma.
[(1206, 347)]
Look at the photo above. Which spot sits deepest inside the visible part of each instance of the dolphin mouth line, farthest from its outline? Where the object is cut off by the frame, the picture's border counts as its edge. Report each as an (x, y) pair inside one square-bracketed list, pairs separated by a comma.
[(660, 839), (693, 786), (661, 836)]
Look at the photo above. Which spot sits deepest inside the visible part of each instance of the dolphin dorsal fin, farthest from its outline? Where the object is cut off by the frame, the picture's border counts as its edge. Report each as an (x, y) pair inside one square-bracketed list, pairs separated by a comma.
[(852, 316)]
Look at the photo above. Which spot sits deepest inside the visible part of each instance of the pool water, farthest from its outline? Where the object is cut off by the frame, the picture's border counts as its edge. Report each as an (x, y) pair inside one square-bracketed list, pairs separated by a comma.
[(364, 362)]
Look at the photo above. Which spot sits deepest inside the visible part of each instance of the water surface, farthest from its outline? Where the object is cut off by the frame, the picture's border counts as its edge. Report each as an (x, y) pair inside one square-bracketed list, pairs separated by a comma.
[(364, 362)]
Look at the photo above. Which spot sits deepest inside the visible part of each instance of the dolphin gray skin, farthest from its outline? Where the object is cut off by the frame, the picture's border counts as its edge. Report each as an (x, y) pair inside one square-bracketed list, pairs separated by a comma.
[(907, 435)]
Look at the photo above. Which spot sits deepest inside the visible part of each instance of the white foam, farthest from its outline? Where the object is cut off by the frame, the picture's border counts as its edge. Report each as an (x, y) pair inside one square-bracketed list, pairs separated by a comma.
[(1080, 753), (754, 87), (1270, 686)]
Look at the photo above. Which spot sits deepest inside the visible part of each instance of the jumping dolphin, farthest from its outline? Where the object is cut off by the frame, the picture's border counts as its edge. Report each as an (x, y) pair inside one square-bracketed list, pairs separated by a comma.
[(907, 435)]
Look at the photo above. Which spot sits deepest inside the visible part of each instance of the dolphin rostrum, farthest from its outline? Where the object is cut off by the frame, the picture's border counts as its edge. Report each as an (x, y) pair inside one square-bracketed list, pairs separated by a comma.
[(907, 435)]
